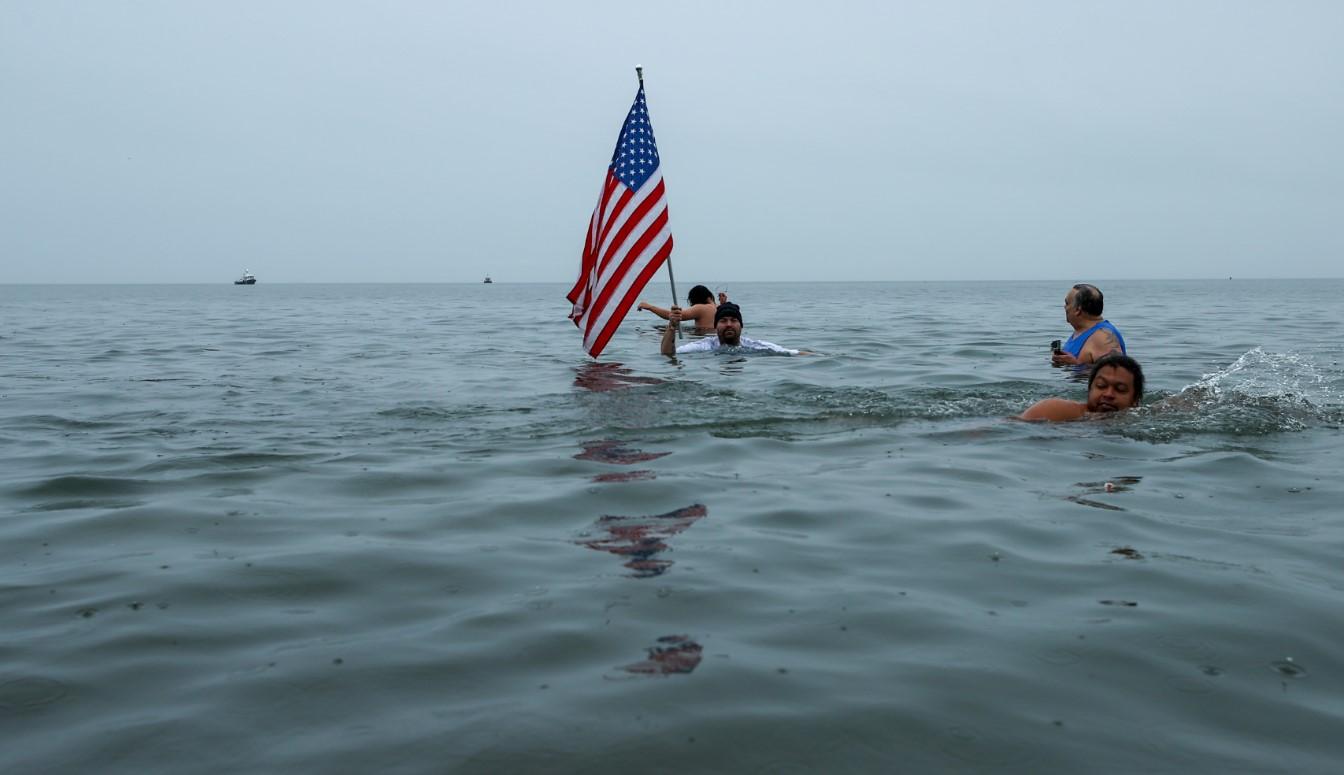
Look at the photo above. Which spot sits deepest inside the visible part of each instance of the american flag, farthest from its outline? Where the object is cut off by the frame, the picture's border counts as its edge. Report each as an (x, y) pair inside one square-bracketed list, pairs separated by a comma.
[(628, 236)]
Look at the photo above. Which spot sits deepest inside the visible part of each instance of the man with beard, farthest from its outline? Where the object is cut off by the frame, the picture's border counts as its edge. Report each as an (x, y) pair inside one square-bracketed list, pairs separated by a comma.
[(1114, 385), (727, 333)]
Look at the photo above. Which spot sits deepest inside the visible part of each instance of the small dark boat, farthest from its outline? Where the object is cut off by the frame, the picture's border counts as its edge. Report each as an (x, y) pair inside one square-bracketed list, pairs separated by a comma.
[(247, 279), (488, 280)]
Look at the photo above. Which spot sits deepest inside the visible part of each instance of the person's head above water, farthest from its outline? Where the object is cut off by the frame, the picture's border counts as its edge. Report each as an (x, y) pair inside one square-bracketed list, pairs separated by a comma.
[(728, 323), (1086, 299), (700, 295), (1114, 384)]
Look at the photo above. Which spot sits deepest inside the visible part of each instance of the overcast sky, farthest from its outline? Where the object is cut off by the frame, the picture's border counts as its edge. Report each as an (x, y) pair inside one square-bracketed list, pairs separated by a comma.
[(331, 141)]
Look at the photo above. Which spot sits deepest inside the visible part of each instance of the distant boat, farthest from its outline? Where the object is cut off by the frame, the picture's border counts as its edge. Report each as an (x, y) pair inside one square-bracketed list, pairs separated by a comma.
[(488, 280), (247, 279)]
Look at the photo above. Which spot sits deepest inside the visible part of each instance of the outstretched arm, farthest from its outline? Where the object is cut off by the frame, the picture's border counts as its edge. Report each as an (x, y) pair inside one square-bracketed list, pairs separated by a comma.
[(669, 345), (702, 315), (659, 311)]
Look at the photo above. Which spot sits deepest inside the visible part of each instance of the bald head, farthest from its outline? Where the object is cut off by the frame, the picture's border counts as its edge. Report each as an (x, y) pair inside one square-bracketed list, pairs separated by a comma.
[(1087, 299)]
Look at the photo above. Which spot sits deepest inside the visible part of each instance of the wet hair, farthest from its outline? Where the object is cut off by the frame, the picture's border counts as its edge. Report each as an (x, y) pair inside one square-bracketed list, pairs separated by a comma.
[(1088, 298), (727, 310), (1121, 362), (699, 295)]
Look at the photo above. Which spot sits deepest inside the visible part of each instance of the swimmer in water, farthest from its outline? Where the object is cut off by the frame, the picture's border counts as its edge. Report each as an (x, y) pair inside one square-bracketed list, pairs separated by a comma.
[(1114, 385), (727, 333), (700, 312), (1093, 335)]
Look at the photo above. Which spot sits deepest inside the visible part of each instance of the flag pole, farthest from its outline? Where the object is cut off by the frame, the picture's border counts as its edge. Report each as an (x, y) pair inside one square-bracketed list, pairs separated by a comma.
[(639, 73)]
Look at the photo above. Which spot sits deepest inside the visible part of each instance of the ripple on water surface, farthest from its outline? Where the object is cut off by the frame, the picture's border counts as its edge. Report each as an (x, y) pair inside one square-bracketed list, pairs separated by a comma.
[(317, 528)]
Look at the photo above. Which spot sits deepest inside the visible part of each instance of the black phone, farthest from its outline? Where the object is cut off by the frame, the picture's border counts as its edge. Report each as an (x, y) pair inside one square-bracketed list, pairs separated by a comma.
[(1054, 346)]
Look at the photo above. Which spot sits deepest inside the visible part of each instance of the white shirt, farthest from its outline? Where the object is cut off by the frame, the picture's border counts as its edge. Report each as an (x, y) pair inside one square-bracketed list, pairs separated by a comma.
[(747, 344)]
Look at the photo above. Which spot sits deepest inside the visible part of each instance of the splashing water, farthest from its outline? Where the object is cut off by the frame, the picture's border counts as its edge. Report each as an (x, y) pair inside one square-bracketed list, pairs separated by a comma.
[(1287, 377), (1259, 394)]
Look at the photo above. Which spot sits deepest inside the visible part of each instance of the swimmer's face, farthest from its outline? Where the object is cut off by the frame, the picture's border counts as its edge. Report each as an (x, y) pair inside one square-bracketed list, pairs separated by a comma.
[(729, 330), (1112, 390)]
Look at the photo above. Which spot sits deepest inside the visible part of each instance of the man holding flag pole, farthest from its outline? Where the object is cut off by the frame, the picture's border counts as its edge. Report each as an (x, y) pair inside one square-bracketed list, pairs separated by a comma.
[(628, 234)]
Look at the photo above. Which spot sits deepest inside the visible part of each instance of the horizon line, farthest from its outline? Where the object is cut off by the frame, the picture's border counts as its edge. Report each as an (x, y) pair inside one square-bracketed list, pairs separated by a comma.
[(719, 282)]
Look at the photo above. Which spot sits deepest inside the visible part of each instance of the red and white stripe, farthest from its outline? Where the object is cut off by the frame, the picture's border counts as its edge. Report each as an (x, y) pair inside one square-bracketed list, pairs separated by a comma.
[(628, 239)]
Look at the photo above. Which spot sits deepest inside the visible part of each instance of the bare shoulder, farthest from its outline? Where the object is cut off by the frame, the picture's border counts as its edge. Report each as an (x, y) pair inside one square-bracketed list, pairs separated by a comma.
[(1055, 410), (1101, 343), (701, 312)]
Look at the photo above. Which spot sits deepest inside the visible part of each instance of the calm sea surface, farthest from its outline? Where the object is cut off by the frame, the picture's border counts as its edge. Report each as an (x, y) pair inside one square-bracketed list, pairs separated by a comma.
[(413, 528)]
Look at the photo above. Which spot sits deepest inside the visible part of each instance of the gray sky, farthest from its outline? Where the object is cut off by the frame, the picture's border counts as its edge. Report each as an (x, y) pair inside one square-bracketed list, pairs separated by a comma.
[(332, 141)]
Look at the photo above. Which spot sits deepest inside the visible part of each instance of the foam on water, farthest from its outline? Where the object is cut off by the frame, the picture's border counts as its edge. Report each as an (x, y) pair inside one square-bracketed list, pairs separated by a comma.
[(1281, 377), (1261, 393)]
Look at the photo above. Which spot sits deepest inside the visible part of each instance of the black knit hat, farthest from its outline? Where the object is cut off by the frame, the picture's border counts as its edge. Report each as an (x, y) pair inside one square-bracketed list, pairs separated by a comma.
[(727, 310)]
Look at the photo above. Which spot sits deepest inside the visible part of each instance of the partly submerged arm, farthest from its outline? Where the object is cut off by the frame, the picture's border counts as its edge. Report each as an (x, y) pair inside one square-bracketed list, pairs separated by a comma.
[(669, 343), (1055, 410), (1100, 342)]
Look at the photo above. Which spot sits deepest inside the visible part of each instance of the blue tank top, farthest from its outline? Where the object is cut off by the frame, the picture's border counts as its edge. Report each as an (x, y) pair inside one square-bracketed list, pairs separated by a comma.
[(1074, 345)]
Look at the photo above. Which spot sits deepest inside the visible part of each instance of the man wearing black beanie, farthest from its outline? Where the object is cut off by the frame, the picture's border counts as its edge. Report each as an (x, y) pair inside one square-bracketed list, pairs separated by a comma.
[(727, 333)]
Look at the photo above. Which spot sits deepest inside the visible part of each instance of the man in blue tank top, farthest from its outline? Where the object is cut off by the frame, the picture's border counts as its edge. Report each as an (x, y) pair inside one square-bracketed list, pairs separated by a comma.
[(1093, 336)]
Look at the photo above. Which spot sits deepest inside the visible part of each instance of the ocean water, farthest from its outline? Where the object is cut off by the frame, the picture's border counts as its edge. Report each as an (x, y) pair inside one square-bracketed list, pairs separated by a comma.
[(413, 528)]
